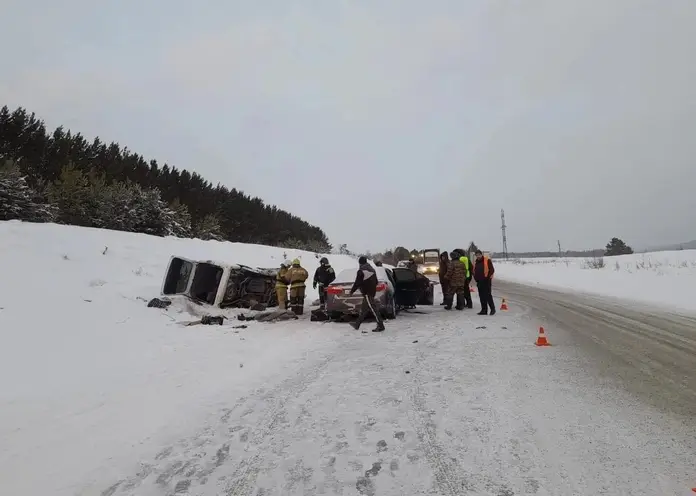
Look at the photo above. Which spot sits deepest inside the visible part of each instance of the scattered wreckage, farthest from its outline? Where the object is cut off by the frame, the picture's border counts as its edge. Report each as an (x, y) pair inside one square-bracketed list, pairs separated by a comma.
[(219, 284), (223, 286)]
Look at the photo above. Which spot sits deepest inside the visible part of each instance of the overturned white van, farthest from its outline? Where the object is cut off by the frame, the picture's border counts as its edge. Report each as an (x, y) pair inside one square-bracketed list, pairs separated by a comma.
[(220, 284)]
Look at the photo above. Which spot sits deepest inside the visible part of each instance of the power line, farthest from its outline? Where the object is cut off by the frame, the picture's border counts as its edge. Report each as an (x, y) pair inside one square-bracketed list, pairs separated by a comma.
[(503, 228)]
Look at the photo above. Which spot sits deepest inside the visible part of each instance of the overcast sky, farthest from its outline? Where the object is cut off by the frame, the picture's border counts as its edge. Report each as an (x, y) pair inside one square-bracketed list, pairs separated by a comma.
[(390, 122)]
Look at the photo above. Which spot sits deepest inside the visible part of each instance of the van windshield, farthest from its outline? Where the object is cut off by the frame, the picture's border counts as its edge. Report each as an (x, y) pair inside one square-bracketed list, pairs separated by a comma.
[(431, 257)]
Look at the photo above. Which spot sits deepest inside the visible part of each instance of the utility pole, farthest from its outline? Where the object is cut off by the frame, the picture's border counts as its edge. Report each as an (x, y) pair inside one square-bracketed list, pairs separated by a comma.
[(503, 227)]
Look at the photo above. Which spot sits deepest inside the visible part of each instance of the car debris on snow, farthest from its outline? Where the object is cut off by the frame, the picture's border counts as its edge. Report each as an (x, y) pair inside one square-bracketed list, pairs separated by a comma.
[(272, 316), (159, 303)]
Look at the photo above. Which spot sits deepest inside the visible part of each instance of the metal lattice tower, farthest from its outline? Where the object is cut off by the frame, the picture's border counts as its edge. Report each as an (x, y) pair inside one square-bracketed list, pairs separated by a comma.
[(503, 227)]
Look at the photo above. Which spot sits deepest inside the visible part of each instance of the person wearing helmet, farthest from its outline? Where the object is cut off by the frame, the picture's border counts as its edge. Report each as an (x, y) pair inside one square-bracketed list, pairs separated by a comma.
[(323, 276), (281, 286), (296, 277)]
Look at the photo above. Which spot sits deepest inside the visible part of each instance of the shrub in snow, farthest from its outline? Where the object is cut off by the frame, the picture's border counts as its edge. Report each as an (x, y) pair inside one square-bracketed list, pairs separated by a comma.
[(311, 245), (18, 200), (594, 263), (87, 200), (178, 220), (151, 213), (617, 247), (74, 197), (209, 228)]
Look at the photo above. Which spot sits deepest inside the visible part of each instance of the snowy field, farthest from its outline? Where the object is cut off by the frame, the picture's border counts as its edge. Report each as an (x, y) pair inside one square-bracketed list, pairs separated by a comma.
[(666, 279), (100, 395), (85, 366)]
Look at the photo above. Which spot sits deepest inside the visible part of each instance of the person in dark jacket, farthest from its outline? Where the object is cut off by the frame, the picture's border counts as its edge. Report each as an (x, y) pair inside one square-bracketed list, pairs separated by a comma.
[(442, 272), (323, 276), (483, 274), (366, 282)]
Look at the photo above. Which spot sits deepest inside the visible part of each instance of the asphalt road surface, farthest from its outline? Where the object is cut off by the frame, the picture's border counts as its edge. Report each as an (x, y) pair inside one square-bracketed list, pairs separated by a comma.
[(650, 351)]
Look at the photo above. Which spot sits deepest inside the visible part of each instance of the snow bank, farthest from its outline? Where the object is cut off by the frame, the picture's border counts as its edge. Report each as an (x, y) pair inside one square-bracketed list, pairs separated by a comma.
[(662, 278), (86, 367)]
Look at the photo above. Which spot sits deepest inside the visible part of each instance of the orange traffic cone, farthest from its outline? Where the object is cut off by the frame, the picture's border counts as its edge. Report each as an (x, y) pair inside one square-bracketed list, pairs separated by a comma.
[(541, 340), (503, 305)]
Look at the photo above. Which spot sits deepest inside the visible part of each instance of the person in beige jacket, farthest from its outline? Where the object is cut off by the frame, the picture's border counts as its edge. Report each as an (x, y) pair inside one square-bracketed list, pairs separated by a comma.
[(296, 278)]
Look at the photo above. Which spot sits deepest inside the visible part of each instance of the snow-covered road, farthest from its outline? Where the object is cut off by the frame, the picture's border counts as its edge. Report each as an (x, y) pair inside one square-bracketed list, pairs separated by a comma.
[(444, 404), (646, 350)]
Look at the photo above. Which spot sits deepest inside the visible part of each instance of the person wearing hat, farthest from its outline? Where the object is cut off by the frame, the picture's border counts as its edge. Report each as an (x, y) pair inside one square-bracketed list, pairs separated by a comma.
[(456, 281), (296, 277), (469, 275), (442, 272), (366, 282), (281, 286), (323, 276), (483, 274)]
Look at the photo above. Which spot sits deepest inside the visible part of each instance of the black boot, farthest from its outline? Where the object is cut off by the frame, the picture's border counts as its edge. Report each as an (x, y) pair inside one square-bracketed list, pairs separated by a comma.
[(355, 325), (379, 328), (482, 312)]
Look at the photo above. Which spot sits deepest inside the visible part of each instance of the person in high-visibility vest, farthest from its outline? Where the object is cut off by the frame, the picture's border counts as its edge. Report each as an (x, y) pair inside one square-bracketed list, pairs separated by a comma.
[(281, 286), (483, 274), (469, 274)]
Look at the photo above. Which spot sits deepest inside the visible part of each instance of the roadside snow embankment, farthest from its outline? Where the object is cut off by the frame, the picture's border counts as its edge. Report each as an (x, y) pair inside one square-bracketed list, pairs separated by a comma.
[(86, 367), (666, 279)]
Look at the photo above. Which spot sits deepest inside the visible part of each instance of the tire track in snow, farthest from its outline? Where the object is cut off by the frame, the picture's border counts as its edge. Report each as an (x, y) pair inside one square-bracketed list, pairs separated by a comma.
[(192, 461), (451, 479), (243, 479)]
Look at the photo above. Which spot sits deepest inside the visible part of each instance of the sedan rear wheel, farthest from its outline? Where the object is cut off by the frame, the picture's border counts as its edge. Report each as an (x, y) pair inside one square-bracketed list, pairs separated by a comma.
[(391, 309)]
